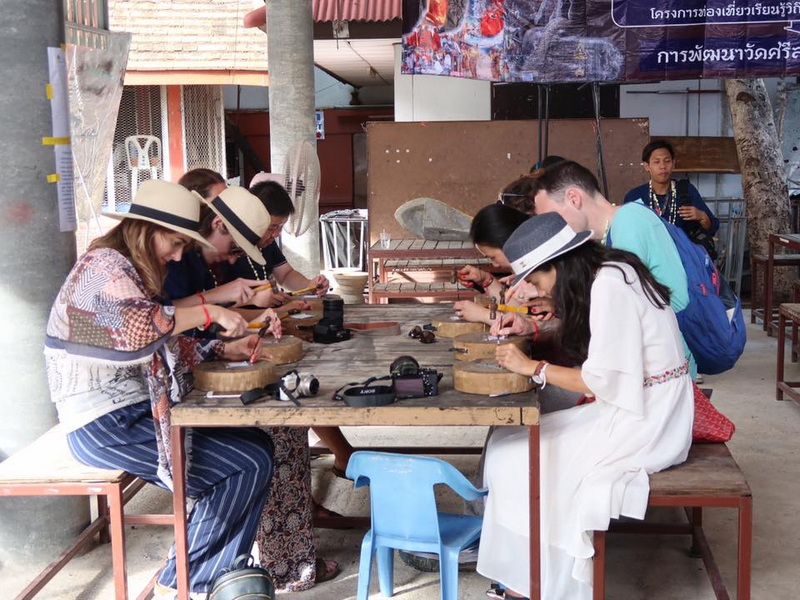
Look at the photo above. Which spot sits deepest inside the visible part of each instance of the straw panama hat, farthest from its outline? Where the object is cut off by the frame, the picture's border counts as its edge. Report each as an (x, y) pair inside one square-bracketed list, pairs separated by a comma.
[(245, 217), (539, 240), (166, 204)]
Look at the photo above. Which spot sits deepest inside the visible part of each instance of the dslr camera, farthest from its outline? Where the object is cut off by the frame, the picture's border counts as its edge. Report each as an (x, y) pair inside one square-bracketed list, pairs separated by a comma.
[(299, 385), (330, 328), (412, 381)]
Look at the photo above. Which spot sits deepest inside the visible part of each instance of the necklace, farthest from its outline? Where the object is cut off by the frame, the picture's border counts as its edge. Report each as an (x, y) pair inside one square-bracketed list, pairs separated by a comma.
[(214, 277), (263, 276), (669, 209), (604, 239)]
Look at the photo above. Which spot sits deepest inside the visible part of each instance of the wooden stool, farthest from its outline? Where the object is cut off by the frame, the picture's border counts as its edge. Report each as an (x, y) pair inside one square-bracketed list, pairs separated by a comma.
[(790, 312), (758, 262), (46, 468), (709, 477)]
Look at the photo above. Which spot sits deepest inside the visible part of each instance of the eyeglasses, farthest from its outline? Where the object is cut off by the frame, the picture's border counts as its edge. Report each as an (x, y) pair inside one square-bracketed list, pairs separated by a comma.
[(503, 197), (235, 250)]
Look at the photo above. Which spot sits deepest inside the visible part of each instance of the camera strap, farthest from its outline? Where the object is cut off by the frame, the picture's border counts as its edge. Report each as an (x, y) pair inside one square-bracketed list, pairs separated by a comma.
[(272, 389), (365, 394)]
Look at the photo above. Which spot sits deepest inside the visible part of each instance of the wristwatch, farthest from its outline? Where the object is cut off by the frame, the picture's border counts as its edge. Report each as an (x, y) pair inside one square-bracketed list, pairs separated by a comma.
[(539, 376)]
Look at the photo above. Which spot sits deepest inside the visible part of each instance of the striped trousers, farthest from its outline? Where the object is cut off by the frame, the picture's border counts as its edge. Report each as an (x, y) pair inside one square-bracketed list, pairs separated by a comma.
[(229, 477)]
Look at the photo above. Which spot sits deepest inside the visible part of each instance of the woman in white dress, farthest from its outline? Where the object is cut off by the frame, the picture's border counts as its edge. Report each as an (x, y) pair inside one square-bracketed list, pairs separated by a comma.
[(595, 458)]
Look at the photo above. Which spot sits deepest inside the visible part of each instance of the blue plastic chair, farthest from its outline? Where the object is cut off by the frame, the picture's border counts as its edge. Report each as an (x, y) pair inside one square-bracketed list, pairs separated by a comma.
[(404, 516)]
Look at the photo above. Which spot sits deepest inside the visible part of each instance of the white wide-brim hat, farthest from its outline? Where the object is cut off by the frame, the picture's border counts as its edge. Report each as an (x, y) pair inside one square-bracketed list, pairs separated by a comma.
[(538, 240), (166, 204), (245, 217)]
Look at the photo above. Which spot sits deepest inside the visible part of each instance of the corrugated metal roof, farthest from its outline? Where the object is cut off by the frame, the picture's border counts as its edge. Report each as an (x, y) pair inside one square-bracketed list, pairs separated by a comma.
[(357, 10)]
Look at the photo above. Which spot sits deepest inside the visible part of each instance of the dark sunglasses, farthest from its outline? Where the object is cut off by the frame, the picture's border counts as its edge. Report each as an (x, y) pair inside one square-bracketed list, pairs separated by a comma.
[(502, 198), (423, 335)]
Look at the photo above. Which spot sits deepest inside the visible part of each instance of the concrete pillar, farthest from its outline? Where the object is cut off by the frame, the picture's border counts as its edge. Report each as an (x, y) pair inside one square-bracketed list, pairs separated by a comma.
[(290, 43), (34, 260)]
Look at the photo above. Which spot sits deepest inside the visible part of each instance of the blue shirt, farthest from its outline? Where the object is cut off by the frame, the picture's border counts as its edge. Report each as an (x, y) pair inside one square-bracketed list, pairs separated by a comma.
[(638, 230), (643, 193), (188, 276)]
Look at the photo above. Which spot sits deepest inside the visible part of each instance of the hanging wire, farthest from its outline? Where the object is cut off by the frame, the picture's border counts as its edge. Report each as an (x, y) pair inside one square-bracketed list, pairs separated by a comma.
[(546, 147), (539, 110), (601, 167)]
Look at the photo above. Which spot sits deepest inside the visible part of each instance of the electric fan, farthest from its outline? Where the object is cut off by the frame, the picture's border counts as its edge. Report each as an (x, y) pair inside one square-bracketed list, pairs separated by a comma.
[(301, 180)]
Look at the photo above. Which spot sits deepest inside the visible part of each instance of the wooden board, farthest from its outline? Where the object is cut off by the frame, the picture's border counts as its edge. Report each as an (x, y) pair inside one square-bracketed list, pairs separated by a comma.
[(465, 164), (479, 346), (448, 327), (704, 154), (217, 376), (286, 350), (488, 378)]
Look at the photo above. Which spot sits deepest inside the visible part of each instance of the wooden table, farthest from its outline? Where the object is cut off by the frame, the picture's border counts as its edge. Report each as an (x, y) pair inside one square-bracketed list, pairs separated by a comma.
[(355, 360), (791, 241), (413, 249)]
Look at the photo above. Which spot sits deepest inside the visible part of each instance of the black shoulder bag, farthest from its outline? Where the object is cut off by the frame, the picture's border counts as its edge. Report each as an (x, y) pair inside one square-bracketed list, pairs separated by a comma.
[(694, 231)]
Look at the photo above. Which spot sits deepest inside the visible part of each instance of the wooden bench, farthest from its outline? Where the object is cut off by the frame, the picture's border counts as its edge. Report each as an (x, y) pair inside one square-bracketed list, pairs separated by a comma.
[(46, 468), (437, 291), (758, 263), (710, 477), (787, 312), (434, 264)]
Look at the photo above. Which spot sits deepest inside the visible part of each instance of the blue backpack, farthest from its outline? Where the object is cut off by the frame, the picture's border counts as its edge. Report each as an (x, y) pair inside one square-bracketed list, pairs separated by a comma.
[(715, 339)]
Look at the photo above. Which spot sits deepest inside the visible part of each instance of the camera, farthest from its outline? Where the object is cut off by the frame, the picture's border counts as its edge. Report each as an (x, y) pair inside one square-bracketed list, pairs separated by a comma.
[(299, 385), (412, 381), (424, 383), (330, 328)]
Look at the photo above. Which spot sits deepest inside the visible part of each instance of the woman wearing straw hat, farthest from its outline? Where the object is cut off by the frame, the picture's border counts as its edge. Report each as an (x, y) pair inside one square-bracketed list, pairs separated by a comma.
[(595, 458), (235, 219), (232, 223), (115, 364)]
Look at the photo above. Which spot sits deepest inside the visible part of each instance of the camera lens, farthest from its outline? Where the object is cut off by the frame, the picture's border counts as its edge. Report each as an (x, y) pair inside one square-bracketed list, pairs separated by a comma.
[(309, 386)]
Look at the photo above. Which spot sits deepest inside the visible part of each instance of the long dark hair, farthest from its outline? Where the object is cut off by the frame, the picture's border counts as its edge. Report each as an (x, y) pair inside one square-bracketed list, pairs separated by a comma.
[(575, 273), (494, 224), (135, 240)]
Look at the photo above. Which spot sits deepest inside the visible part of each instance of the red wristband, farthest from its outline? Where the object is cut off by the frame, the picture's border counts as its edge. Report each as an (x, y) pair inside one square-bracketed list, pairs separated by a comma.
[(202, 297), (535, 335), (208, 318)]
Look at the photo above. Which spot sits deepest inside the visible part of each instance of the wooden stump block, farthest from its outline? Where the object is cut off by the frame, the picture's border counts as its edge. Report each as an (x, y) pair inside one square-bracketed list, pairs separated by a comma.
[(487, 378), (286, 350), (475, 346), (217, 376), (449, 327)]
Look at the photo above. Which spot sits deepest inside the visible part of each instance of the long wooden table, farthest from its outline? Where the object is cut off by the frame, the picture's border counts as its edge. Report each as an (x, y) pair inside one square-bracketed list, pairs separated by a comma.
[(356, 360)]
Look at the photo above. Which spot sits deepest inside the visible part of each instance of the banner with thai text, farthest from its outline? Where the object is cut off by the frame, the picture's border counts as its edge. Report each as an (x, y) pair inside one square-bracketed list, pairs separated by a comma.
[(551, 41)]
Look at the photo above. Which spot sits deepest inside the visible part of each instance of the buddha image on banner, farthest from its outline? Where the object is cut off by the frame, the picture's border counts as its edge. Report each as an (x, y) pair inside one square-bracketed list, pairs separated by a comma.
[(552, 41)]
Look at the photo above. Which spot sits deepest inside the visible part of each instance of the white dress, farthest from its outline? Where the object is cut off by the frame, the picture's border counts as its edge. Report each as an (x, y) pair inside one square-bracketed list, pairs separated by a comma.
[(594, 458)]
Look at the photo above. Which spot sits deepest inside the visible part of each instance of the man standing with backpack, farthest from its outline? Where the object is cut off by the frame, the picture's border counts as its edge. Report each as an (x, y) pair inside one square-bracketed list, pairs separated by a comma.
[(677, 202)]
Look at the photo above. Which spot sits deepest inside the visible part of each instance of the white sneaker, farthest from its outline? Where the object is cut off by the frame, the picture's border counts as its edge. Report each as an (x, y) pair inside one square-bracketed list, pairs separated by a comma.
[(699, 379)]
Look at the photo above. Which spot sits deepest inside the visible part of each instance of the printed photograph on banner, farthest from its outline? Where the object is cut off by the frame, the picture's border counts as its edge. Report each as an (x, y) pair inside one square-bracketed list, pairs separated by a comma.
[(559, 41)]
